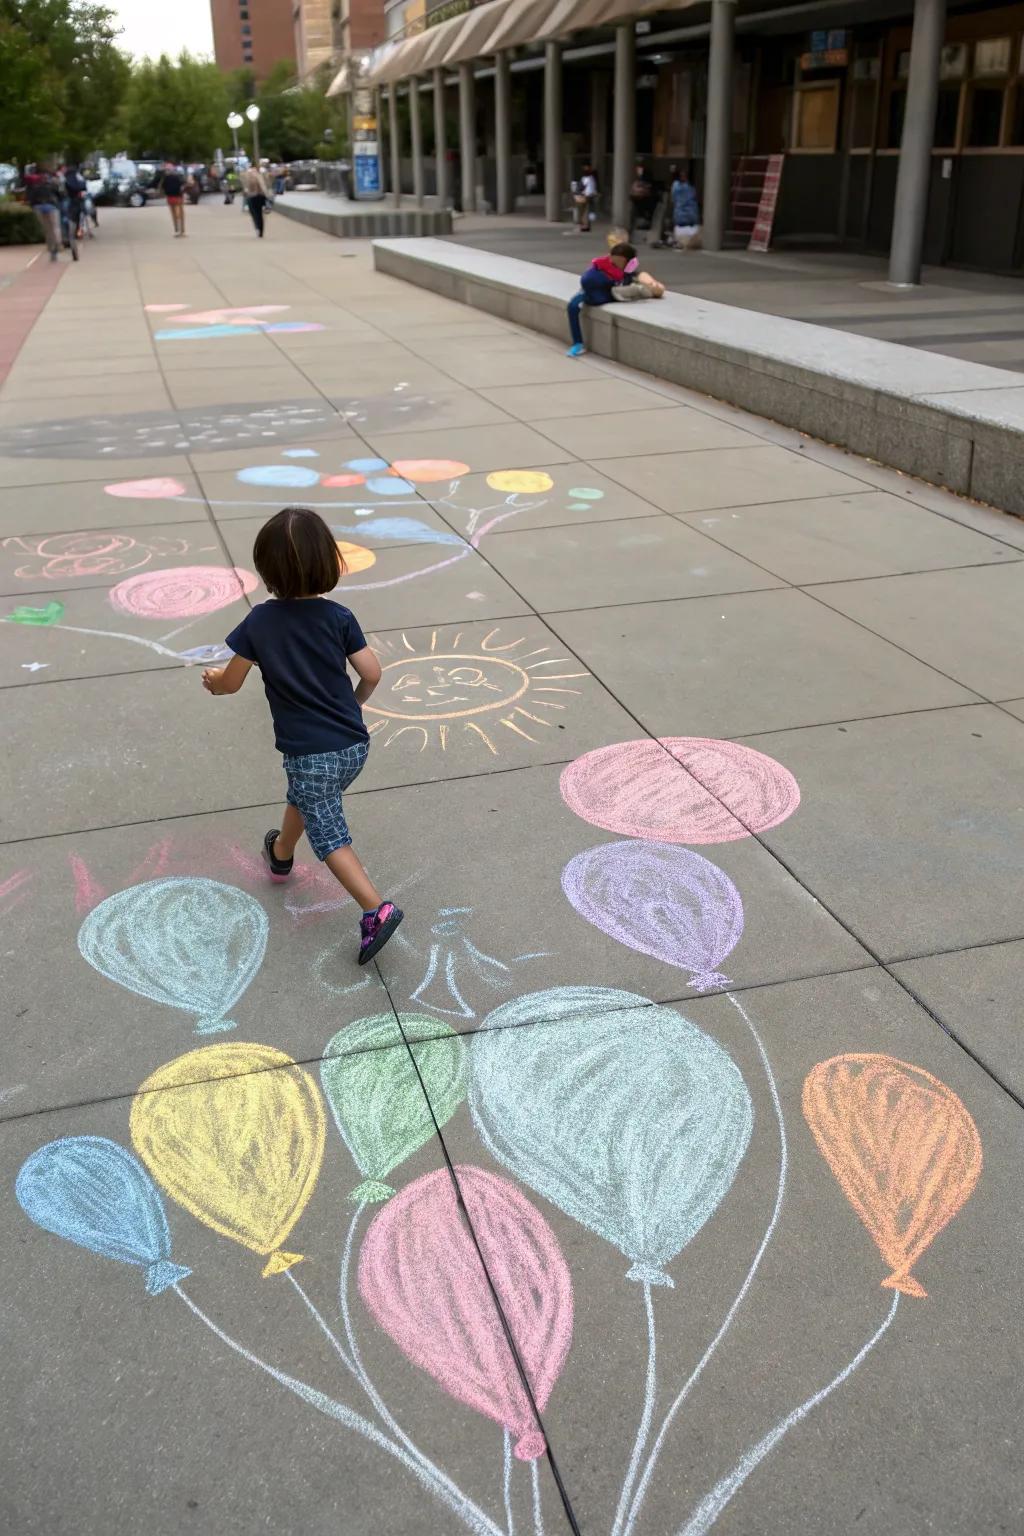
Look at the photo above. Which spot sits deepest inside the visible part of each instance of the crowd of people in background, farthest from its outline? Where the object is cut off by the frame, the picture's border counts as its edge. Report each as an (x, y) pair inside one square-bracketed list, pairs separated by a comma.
[(674, 207), (60, 198)]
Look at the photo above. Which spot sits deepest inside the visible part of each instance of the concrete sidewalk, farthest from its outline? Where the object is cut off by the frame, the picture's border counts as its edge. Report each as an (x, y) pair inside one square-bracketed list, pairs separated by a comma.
[(718, 1038)]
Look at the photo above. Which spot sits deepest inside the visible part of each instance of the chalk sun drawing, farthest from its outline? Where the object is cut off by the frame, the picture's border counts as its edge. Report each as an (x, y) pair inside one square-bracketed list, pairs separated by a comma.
[(622, 1113), (903, 1148), (93, 1192), (376, 1092), (185, 942), (681, 789), (421, 1279), (184, 592), (662, 900), (441, 689), (234, 1132)]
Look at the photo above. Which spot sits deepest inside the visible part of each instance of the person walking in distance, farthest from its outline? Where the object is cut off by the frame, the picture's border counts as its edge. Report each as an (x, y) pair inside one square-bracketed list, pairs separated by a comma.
[(255, 188), (44, 198), (173, 184)]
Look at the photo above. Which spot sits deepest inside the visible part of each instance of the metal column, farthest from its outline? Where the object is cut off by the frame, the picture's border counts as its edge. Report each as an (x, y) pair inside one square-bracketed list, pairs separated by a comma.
[(503, 132), (416, 129), (467, 136), (440, 142), (624, 147), (393, 144), (718, 152), (916, 145), (553, 132)]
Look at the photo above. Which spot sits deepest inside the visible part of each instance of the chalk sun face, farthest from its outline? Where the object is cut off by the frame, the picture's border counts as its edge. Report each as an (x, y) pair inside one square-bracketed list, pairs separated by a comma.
[(491, 690)]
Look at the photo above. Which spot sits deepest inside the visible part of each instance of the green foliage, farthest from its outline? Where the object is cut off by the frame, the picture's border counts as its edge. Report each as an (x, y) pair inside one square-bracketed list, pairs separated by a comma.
[(175, 108), (61, 77), (18, 224), (293, 118)]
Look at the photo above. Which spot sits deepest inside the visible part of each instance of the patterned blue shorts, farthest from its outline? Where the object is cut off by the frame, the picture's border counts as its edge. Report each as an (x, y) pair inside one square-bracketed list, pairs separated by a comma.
[(315, 783)]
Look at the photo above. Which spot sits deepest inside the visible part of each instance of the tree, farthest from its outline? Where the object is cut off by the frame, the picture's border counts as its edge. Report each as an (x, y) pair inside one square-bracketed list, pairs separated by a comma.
[(61, 75), (293, 118), (175, 108)]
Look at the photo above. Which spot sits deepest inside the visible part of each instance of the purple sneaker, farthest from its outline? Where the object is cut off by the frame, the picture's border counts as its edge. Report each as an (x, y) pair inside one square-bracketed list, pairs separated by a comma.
[(376, 930)]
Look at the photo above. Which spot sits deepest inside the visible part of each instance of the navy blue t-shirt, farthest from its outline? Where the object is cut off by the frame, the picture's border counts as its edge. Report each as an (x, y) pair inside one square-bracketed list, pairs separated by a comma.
[(301, 645)]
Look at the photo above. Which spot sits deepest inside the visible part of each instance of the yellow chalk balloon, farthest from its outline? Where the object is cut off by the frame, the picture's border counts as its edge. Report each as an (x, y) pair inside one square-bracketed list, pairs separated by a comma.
[(234, 1132), (356, 556), (520, 482)]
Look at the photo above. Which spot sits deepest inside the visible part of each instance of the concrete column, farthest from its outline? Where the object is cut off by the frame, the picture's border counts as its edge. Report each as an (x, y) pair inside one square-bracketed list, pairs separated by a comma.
[(440, 141), (393, 144), (718, 150), (467, 136), (624, 148), (416, 129), (553, 132), (916, 145), (503, 131)]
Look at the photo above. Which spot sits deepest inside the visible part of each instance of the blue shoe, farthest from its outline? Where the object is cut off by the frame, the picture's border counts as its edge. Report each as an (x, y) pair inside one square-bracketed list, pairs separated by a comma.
[(577, 350)]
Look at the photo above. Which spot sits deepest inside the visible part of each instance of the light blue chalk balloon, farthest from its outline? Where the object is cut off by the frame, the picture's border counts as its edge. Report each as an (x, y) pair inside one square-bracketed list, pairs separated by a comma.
[(619, 1111), (186, 942), (401, 530), (96, 1194), (283, 476)]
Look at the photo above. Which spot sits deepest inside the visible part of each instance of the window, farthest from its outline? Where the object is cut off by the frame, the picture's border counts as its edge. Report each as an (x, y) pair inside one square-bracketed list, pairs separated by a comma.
[(947, 117), (864, 96), (992, 57), (246, 29), (816, 117), (985, 116)]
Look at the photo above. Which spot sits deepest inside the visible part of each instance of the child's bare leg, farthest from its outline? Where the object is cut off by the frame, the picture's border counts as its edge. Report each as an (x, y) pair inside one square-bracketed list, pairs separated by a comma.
[(292, 828), (345, 866)]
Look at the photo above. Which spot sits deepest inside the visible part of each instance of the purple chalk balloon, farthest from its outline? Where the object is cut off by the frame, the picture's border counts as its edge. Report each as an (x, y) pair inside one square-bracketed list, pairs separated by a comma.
[(662, 900)]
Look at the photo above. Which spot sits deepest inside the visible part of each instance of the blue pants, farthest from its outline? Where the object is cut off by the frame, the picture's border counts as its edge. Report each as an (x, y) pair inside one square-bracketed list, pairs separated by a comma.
[(576, 303)]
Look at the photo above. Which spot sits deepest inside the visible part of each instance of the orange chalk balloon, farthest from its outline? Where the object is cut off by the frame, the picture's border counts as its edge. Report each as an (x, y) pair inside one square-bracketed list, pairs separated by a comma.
[(903, 1148)]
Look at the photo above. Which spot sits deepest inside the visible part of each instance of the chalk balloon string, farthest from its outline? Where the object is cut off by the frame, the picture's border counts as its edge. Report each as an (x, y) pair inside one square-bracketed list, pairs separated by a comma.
[(705, 1359), (726, 1489), (647, 1413), (467, 1512)]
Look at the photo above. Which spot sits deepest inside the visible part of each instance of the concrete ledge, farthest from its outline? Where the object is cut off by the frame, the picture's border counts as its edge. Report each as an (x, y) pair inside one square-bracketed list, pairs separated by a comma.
[(873, 397), (377, 220)]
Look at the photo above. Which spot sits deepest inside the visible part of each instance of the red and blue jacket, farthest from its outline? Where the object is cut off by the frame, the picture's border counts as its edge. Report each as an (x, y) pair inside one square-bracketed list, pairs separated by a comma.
[(599, 279)]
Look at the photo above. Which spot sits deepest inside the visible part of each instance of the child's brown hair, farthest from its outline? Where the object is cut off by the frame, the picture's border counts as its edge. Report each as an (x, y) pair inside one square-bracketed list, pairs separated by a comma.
[(297, 555)]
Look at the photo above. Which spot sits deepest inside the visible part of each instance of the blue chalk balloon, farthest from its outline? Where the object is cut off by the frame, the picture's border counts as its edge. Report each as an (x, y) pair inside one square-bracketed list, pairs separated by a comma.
[(390, 485), (287, 476), (401, 530), (95, 1193), (621, 1112), (365, 466)]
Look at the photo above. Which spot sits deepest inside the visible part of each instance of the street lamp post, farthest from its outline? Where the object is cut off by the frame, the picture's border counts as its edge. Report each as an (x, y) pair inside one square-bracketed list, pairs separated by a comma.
[(252, 112), (235, 121)]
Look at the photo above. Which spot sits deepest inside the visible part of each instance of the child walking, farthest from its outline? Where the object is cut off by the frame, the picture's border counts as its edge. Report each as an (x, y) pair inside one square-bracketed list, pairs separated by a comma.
[(303, 643)]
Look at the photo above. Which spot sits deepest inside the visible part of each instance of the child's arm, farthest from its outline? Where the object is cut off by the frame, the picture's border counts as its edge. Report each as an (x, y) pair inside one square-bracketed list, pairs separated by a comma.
[(365, 663), (227, 679)]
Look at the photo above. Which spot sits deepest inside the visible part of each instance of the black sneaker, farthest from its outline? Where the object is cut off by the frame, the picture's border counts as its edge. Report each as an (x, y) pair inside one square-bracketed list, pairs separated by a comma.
[(280, 869), (375, 931)]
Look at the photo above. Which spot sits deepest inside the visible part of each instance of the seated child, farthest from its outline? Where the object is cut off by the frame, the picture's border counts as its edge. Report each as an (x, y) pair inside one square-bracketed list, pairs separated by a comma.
[(608, 278)]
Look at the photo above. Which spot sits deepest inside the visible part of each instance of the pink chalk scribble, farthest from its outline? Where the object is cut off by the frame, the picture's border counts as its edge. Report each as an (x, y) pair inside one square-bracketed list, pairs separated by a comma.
[(235, 316), (14, 889), (89, 892), (70, 556), (421, 1278), (156, 488), (727, 791), (183, 592), (162, 309)]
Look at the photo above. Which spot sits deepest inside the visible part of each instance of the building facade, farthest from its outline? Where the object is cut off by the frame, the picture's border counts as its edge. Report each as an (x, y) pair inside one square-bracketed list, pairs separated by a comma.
[(358, 25), (901, 125), (313, 25), (252, 34)]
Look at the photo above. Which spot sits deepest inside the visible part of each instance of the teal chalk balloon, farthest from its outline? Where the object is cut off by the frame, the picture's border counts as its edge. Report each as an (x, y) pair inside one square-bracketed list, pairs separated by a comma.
[(619, 1111), (185, 942)]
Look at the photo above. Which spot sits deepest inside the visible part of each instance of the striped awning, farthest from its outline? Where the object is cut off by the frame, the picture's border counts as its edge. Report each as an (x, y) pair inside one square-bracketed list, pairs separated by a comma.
[(487, 28)]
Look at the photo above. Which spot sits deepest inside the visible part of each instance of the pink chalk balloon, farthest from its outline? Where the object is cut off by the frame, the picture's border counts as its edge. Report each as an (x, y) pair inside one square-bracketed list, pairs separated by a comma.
[(421, 1278), (159, 488), (714, 791), (183, 592)]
